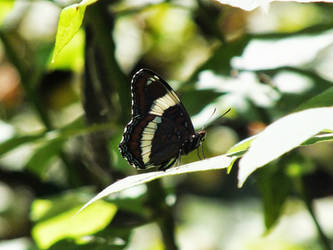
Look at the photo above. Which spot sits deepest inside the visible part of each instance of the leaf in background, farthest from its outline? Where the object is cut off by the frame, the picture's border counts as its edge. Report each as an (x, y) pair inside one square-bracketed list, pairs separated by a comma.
[(5, 8), (52, 145), (282, 136), (17, 141), (44, 209), (65, 225), (324, 99), (274, 186), (294, 50), (196, 100), (252, 4), (218, 162), (41, 157), (220, 61), (68, 244), (70, 21)]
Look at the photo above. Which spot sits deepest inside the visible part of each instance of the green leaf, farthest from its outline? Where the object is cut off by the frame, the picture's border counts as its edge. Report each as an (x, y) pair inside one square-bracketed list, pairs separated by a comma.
[(70, 21), (324, 99), (44, 209), (241, 147), (218, 162), (41, 157), (65, 225), (282, 136), (17, 141), (274, 186), (319, 138), (96, 244)]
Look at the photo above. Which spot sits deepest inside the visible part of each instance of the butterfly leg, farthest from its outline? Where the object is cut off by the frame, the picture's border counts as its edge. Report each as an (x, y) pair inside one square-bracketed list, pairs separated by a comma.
[(203, 152), (198, 153), (167, 165), (178, 160)]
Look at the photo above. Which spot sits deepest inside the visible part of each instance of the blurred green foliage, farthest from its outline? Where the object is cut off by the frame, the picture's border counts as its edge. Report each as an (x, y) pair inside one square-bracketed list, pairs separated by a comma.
[(65, 70)]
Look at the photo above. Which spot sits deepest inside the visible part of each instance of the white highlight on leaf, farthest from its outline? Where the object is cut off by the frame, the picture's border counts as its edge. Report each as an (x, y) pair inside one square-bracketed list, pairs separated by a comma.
[(6, 131), (252, 4), (218, 162), (272, 53), (282, 136), (290, 82)]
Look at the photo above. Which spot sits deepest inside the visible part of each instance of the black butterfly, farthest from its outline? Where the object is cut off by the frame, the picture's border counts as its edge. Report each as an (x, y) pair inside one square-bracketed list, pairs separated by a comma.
[(160, 130)]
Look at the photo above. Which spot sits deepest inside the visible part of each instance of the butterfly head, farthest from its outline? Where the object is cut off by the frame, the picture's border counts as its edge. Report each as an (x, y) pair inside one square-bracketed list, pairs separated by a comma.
[(198, 138)]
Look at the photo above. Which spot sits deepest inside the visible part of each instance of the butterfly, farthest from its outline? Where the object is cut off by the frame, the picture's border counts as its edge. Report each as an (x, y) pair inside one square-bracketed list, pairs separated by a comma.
[(160, 130)]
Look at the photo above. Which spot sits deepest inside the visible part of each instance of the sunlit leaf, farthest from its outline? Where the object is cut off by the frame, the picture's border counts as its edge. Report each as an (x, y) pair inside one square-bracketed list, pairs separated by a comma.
[(70, 21), (5, 8), (71, 56), (65, 225), (218, 162), (240, 147), (282, 136), (293, 50)]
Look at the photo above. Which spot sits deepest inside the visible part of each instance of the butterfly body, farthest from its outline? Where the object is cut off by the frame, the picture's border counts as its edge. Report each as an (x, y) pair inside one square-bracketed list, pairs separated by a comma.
[(161, 129)]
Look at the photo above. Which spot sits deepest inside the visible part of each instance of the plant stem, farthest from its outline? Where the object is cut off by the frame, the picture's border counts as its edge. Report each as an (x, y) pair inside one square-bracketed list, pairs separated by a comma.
[(324, 240), (164, 213)]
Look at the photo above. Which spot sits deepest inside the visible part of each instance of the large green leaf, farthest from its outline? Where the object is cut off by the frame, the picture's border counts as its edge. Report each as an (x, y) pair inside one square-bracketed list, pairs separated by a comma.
[(282, 136), (70, 21)]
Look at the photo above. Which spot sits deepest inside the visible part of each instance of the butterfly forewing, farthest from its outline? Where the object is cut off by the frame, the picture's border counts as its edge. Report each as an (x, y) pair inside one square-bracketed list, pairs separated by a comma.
[(160, 123)]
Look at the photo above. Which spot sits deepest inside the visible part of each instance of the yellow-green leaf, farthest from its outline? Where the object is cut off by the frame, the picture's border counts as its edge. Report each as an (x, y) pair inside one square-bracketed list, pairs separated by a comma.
[(70, 21), (65, 225)]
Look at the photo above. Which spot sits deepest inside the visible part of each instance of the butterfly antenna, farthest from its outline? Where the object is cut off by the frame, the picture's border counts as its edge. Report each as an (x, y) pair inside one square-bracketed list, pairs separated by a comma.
[(226, 112), (203, 128), (210, 117)]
